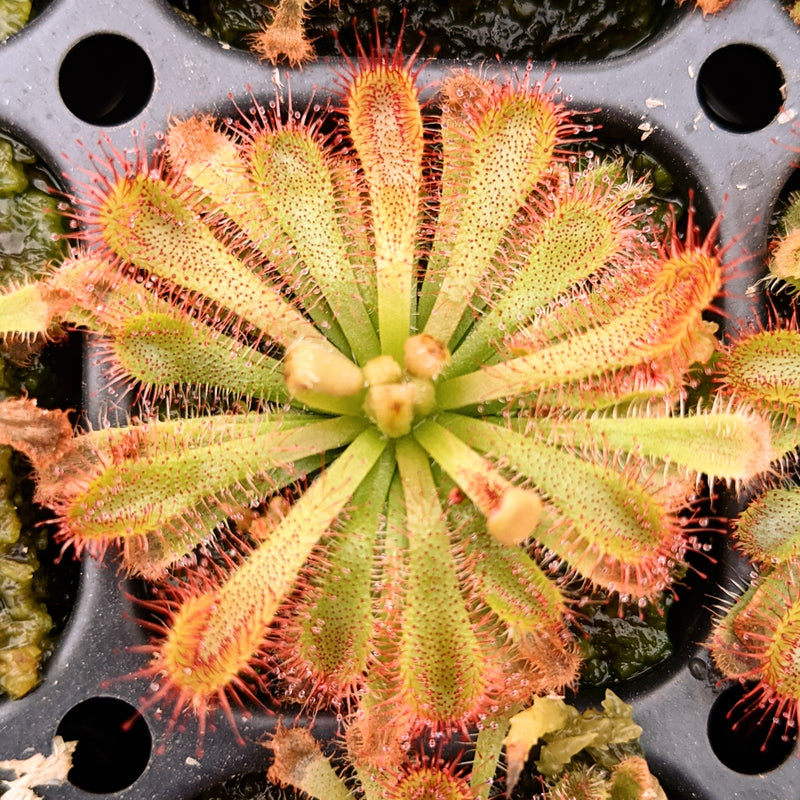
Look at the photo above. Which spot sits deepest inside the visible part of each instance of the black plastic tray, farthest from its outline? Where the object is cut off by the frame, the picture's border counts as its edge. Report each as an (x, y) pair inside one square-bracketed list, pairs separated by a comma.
[(651, 92)]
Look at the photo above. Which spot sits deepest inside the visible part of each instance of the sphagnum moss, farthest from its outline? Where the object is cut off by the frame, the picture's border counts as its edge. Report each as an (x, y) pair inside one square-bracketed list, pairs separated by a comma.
[(439, 340)]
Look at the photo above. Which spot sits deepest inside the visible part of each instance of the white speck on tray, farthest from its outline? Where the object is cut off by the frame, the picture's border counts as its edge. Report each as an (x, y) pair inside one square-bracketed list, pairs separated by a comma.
[(647, 129)]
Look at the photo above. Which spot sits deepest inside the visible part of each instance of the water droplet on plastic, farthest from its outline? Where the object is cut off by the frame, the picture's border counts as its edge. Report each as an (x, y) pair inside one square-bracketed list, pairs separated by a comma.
[(698, 669)]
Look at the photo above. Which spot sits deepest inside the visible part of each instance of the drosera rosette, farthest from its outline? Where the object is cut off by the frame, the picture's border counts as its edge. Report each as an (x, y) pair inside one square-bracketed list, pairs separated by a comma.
[(753, 641), (378, 306), (755, 636), (784, 259)]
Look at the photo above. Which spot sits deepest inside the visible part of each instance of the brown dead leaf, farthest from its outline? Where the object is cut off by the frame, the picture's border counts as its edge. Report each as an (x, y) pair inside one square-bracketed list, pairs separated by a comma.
[(294, 749), (42, 435), (38, 770), (284, 37)]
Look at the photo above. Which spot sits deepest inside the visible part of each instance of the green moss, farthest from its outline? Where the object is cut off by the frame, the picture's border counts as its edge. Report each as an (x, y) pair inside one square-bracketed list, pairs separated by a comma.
[(29, 225), (24, 621), (619, 644), (14, 15), (226, 21), (29, 231), (12, 173), (566, 30)]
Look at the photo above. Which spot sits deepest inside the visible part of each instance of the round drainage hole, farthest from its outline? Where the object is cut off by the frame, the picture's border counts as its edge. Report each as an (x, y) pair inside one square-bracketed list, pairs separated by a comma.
[(739, 87), (106, 79), (114, 744), (745, 737)]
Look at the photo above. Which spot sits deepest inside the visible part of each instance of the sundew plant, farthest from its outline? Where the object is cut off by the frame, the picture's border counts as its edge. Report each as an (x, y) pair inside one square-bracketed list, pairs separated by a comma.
[(421, 375), (756, 637)]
